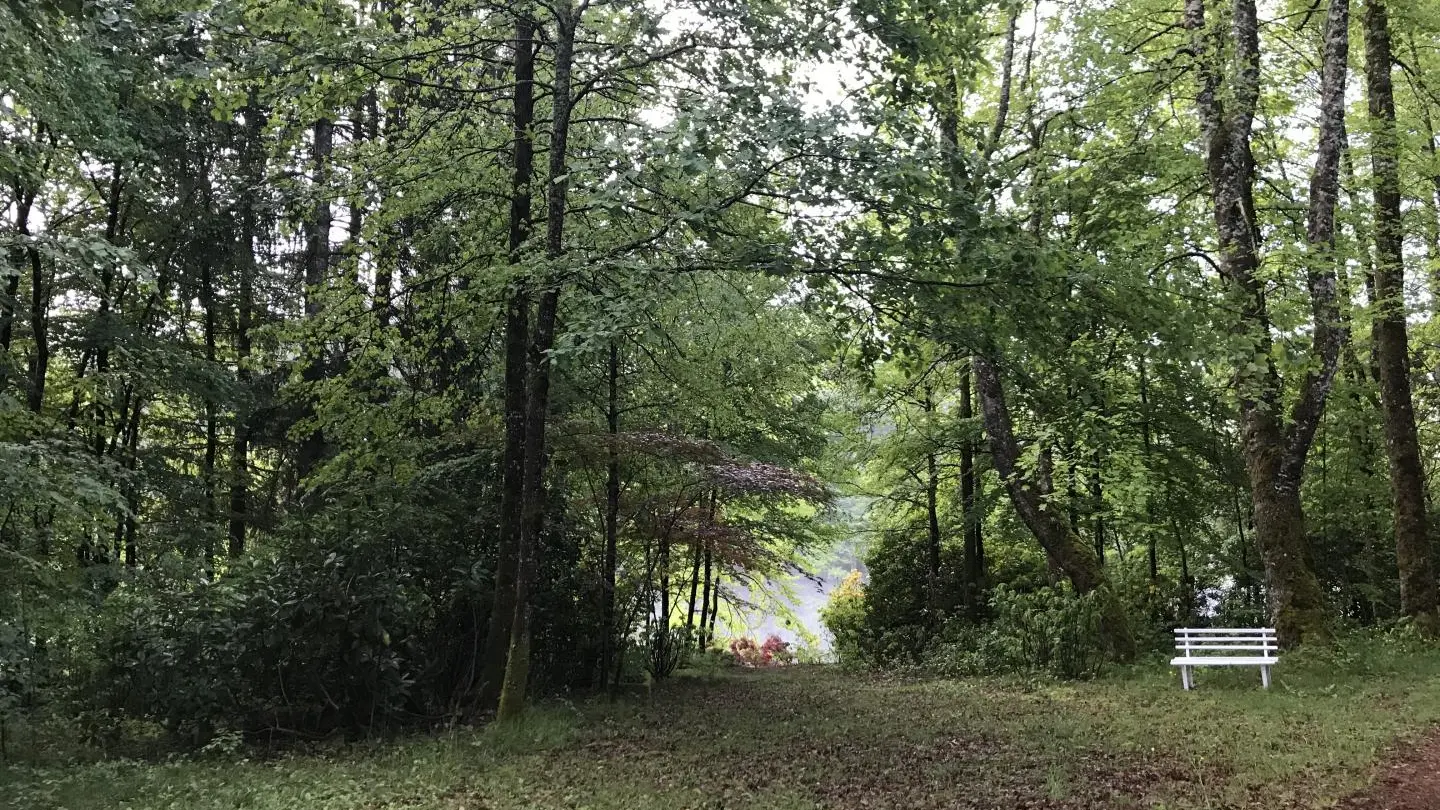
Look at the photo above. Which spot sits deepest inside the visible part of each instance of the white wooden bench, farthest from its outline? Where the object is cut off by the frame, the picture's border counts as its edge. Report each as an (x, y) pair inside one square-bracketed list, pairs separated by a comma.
[(1225, 647)]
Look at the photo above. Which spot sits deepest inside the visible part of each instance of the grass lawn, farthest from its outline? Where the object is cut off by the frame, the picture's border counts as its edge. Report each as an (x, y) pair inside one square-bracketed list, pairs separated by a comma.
[(811, 737)]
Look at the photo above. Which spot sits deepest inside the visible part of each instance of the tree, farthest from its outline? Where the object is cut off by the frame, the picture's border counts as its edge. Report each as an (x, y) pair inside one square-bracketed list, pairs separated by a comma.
[(1419, 597), (1275, 451)]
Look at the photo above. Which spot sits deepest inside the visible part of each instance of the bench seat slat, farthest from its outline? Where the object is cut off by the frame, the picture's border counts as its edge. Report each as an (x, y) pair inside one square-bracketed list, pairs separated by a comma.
[(1223, 661)]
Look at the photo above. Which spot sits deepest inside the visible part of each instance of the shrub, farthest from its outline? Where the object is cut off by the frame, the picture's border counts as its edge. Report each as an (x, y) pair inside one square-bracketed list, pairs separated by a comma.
[(844, 616), (777, 652), (1050, 630), (1046, 629), (711, 661), (773, 653), (668, 651), (302, 644)]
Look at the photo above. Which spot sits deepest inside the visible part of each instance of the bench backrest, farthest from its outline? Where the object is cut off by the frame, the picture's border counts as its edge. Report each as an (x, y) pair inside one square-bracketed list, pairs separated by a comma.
[(1256, 641)]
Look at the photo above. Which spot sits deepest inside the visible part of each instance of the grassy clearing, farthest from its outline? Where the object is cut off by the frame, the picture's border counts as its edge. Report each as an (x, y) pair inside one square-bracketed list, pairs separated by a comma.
[(817, 737)]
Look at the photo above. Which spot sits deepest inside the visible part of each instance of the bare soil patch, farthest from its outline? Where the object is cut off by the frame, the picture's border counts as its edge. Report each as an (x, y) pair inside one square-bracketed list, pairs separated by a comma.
[(1408, 778)]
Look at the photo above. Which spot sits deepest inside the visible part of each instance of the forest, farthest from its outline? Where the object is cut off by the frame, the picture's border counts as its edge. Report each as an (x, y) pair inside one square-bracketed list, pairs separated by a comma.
[(374, 372)]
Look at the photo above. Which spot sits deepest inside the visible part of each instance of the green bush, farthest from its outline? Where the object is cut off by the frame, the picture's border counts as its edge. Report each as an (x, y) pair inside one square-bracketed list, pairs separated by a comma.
[(668, 650), (1048, 630), (844, 616), (306, 644), (708, 663)]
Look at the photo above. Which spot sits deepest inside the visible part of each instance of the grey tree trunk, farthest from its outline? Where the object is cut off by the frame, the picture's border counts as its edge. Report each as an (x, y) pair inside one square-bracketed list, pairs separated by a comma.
[(254, 173), (1274, 452), (1418, 593), (517, 329), (317, 272), (612, 513), (532, 509), (974, 554)]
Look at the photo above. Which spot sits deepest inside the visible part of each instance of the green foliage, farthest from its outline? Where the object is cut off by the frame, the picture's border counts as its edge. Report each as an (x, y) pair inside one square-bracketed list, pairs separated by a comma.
[(709, 663), (668, 650), (304, 643), (1050, 630), (253, 392), (17, 671), (844, 616)]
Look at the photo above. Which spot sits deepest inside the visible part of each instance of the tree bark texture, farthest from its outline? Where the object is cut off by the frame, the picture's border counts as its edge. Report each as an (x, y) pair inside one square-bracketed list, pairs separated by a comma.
[(1274, 455), (254, 170), (1418, 593), (517, 329), (537, 406), (612, 511), (317, 271), (974, 552)]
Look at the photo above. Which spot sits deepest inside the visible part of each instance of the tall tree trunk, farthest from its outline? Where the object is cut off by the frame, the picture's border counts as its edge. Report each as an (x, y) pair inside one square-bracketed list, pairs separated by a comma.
[(317, 226), (132, 451), (974, 553), (1362, 394), (974, 550), (395, 244), (208, 253), (704, 641), (532, 511), (360, 130), (7, 310), (1061, 546), (1432, 219), (1432, 155), (1002, 106), (694, 592), (253, 171), (39, 333), (714, 604), (612, 510), (700, 547), (1147, 447), (39, 321), (102, 315), (19, 256), (932, 526), (1275, 455), (1072, 484), (517, 337), (1097, 506), (1419, 597), (212, 430), (663, 563), (317, 272), (1065, 551), (932, 509)]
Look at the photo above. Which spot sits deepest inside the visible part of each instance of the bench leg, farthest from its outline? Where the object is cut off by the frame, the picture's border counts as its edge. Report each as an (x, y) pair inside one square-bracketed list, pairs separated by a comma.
[(1185, 677), (1265, 677)]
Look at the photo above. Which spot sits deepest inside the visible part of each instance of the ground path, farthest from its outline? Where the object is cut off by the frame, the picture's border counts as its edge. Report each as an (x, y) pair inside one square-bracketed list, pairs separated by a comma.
[(1409, 780), (819, 738)]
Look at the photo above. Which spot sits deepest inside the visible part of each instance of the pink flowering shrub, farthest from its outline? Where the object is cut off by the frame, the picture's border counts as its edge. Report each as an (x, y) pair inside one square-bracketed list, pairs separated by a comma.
[(774, 652)]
